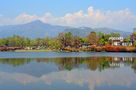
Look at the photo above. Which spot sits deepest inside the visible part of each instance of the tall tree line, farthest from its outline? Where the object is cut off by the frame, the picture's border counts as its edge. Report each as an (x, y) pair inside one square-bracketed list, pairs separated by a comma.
[(61, 41)]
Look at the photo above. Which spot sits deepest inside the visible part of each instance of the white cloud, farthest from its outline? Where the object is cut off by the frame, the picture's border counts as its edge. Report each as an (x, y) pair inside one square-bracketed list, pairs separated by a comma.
[(121, 19), (23, 18)]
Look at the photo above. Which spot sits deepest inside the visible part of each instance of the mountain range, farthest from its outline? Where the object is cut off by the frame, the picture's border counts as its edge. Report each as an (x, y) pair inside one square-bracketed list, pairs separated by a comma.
[(38, 29)]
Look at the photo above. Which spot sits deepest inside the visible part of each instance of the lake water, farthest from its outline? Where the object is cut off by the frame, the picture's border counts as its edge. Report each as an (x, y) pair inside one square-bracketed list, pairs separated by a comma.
[(67, 71)]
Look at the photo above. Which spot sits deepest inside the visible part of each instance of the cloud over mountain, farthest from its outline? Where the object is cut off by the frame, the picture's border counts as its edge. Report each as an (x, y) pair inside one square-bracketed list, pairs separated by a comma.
[(121, 19)]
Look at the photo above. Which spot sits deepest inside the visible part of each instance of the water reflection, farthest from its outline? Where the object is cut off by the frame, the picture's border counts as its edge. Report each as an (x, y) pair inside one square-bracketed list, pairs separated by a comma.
[(95, 73), (92, 63)]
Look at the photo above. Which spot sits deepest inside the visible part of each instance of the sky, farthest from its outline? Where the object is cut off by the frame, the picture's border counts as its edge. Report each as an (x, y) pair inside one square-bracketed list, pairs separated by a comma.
[(118, 14)]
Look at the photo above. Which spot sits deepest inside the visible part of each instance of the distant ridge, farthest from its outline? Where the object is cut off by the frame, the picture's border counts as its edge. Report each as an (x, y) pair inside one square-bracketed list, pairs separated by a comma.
[(84, 31), (35, 29), (38, 29)]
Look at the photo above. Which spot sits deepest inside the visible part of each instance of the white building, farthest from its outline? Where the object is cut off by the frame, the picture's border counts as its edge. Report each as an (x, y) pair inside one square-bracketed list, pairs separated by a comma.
[(116, 41), (127, 44), (119, 41)]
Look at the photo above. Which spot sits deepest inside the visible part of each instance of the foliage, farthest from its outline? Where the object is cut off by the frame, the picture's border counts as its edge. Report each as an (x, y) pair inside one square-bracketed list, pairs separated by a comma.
[(127, 39), (93, 38), (62, 41), (134, 43)]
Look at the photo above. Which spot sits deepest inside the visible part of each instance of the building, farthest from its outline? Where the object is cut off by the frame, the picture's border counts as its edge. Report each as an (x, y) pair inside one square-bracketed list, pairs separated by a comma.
[(119, 41), (127, 43), (116, 41)]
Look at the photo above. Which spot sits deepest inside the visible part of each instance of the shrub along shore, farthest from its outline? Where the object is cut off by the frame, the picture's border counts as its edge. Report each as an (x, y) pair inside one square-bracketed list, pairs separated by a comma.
[(69, 49), (104, 49)]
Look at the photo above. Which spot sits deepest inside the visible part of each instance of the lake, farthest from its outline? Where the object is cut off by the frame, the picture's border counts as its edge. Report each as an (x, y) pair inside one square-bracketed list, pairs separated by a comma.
[(67, 71)]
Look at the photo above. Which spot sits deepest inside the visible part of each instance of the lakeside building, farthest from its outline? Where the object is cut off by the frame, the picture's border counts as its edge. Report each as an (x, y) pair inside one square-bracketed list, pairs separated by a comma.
[(119, 41), (116, 41), (127, 43)]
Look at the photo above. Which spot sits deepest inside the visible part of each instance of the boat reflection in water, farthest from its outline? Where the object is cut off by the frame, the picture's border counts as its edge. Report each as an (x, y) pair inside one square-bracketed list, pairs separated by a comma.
[(90, 73)]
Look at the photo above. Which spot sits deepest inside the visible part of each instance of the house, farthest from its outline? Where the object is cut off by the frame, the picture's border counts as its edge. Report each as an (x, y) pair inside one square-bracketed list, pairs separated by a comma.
[(119, 41), (127, 43), (116, 41)]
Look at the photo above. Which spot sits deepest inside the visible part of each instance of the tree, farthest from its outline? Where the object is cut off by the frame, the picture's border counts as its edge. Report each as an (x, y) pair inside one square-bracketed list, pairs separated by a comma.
[(101, 40), (3, 42), (115, 34), (16, 41), (104, 38), (61, 39), (84, 40), (39, 42), (65, 39), (93, 38), (54, 43), (134, 43), (46, 42), (27, 42), (68, 38), (76, 42), (127, 39)]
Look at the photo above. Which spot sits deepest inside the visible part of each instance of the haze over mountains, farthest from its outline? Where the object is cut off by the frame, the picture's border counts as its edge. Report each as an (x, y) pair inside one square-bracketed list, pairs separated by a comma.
[(38, 29)]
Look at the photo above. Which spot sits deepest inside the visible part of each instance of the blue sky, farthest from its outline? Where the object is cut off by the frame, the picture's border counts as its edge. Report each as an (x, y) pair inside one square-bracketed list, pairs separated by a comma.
[(118, 14), (13, 8)]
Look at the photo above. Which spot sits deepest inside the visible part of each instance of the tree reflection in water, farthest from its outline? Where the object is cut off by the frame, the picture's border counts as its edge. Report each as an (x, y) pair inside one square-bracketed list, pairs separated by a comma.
[(92, 63)]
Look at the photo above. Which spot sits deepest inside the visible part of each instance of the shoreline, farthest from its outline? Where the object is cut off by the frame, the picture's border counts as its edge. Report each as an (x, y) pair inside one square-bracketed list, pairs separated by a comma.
[(90, 49), (35, 50)]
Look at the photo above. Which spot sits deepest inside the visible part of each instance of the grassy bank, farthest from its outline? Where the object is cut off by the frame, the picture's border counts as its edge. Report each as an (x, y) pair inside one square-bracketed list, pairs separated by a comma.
[(43, 50)]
